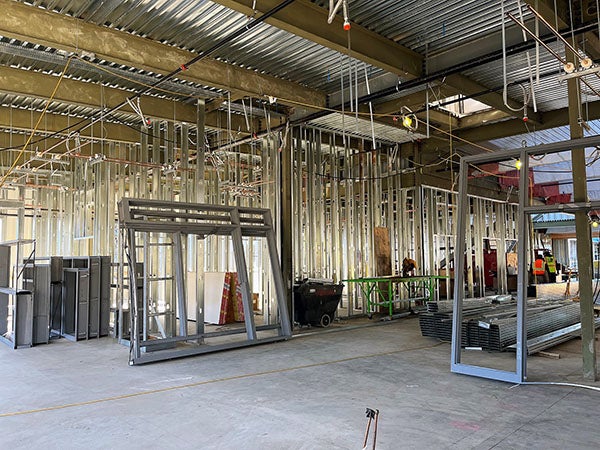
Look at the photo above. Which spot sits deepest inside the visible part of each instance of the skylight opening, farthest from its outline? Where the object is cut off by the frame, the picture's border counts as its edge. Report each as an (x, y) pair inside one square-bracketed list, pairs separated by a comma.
[(460, 106)]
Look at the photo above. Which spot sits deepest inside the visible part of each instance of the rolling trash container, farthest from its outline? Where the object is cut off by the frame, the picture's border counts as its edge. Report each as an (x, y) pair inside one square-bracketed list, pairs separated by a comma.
[(315, 301)]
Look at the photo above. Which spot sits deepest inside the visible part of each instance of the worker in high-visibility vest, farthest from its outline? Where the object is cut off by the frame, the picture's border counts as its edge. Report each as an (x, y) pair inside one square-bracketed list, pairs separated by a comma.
[(550, 266), (539, 269)]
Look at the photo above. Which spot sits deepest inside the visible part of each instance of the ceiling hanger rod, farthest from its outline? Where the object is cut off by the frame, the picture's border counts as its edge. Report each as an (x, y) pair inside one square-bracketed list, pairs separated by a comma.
[(547, 47), (553, 30)]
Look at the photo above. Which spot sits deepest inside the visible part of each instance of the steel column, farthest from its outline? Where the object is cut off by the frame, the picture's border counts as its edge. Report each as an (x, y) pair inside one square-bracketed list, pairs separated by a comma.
[(582, 229), (522, 271)]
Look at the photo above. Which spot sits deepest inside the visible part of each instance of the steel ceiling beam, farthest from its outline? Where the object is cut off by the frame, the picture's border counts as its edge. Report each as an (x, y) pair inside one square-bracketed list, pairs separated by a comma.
[(38, 26), (550, 119), (439, 119), (588, 41), (469, 87), (38, 85), (481, 118), (21, 120), (414, 101), (307, 20)]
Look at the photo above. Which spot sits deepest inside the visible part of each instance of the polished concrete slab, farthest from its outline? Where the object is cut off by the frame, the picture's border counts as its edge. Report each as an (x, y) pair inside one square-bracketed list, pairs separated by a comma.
[(307, 393)]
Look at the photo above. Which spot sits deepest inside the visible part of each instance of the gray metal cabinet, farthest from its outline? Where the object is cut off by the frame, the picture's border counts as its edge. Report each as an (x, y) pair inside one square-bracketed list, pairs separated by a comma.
[(105, 281), (56, 308), (37, 280), (71, 296), (23, 319), (94, 297), (75, 303), (99, 291), (16, 302)]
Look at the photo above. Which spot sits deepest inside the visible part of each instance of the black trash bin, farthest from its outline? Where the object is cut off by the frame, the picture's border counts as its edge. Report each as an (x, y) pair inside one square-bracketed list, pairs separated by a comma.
[(315, 301)]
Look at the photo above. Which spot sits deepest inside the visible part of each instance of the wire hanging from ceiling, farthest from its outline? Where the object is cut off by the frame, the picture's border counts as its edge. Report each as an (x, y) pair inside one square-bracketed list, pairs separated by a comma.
[(183, 67), (370, 108), (334, 8), (526, 96), (529, 69), (35, 128)]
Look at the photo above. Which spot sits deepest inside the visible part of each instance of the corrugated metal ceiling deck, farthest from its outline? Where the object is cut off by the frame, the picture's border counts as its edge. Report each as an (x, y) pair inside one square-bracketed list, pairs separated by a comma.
[(361, 128), (427, 26), (197, 24), (23, 55)]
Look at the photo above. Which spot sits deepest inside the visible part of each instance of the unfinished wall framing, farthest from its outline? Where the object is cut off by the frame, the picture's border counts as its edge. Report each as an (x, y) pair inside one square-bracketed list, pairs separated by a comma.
[(342, 195)]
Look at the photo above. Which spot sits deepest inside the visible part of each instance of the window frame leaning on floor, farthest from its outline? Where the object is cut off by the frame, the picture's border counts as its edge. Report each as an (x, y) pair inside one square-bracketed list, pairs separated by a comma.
[(525, 209), (177, 219)]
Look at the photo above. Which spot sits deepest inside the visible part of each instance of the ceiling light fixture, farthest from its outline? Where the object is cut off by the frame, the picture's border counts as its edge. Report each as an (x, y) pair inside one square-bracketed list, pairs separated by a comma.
[(409, 119), (586, 63), (569, 67)]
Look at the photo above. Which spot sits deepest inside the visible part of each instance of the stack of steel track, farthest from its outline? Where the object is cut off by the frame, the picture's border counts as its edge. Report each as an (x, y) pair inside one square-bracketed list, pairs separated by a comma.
[(503, 332), (494, 326), (437, 322), (549, 340)]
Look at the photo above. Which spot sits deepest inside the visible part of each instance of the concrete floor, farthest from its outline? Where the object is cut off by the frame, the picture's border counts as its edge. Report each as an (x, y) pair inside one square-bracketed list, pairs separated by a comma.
[(306, 393)]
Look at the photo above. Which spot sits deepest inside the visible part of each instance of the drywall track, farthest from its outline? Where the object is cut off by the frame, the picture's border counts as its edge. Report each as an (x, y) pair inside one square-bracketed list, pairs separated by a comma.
[(138, 216)]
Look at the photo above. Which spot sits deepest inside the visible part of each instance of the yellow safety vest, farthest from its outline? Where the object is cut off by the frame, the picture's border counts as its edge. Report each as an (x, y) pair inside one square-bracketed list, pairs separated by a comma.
[(551, 263)]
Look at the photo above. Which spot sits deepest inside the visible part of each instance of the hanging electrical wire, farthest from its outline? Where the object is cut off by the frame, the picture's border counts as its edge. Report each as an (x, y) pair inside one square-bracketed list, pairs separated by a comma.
[(529, 70), (334, 8), (504, 67), (245, 115), (35, 128), (138, 110), (343, 102)]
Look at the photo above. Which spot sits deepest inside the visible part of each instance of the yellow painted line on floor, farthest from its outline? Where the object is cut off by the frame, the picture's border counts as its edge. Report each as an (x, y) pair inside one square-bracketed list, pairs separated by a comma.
[(217, 380)]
